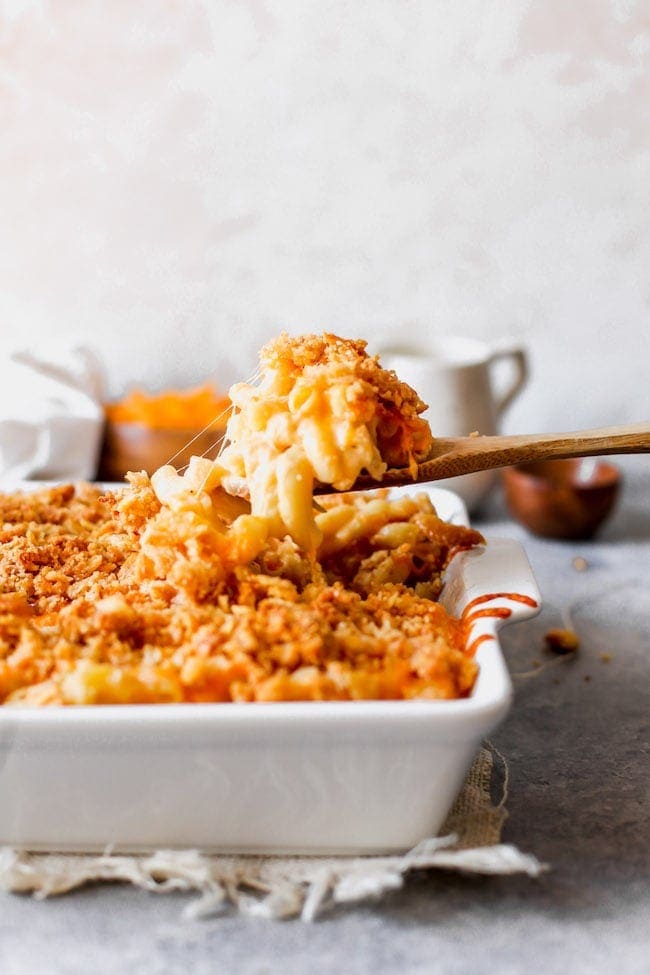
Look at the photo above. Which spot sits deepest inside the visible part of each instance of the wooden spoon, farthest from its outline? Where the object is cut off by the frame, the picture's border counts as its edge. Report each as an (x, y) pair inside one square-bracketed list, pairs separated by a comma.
[(465, 455)]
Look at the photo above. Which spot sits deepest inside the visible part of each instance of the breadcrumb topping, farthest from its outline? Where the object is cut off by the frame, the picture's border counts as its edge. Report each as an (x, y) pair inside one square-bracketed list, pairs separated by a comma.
[(118, 599)]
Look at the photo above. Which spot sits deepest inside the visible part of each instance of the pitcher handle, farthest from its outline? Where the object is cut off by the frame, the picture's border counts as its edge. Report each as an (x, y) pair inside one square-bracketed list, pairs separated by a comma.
[(519, 361)]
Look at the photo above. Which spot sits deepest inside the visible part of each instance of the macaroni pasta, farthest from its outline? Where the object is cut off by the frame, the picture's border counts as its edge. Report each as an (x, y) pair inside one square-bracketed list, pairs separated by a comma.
[(323, 410), (178, 589)]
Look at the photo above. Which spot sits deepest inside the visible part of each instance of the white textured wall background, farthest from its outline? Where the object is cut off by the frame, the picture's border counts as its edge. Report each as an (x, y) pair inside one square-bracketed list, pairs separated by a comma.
[(180, 179)]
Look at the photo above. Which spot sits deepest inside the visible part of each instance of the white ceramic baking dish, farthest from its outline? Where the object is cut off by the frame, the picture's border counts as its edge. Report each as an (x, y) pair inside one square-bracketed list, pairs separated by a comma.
[(345, 777)]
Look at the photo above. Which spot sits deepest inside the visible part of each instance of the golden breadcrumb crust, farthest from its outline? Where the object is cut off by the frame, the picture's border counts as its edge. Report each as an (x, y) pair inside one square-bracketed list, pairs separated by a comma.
[(116, 599), (402, 435)]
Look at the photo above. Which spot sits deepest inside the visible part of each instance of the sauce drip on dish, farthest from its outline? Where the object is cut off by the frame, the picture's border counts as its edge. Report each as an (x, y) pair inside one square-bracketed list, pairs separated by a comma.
[(471, 613)]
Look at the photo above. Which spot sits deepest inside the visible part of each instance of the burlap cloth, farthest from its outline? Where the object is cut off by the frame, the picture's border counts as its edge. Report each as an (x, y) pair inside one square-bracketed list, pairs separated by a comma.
[(285, 886)]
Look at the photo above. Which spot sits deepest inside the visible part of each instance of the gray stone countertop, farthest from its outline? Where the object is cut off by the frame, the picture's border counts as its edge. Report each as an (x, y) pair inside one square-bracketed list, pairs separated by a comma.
[(577, 744)]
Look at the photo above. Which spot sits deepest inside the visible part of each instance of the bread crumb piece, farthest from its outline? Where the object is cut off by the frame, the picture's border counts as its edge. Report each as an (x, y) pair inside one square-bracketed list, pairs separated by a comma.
[(562, 641), (587, 678), (535, 663), (606, 658), (579, 564)]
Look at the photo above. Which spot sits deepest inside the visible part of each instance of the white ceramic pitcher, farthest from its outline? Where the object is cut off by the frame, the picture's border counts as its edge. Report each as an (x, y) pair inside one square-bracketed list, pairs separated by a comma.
[(464, 384)]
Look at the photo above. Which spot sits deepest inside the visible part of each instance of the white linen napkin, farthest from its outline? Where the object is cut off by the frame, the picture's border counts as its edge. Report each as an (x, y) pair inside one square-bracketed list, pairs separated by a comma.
[(51, 414)]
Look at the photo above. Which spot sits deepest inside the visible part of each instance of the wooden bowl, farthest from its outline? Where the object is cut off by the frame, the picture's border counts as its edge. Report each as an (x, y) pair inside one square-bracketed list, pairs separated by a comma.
[(562, 498), (138, 447)]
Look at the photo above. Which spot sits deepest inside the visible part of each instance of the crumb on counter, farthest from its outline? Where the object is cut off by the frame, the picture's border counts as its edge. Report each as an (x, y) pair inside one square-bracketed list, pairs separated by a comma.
[(562, 641), (579, 563)]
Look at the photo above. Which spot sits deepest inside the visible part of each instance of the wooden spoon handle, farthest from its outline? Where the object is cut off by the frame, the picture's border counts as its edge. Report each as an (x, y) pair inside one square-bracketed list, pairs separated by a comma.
[(465, 455)]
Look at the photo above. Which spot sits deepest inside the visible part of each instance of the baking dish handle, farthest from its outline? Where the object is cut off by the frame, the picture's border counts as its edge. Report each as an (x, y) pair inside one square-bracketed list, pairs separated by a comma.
[(495, 576)]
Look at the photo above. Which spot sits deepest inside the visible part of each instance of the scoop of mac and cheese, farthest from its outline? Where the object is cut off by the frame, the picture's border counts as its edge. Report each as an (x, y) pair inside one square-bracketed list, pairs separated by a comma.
[(323, 410)]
